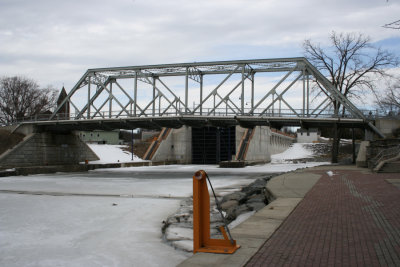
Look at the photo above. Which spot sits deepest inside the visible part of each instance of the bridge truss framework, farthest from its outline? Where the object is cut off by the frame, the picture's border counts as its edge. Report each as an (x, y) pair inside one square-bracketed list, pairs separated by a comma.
[(101, 102)]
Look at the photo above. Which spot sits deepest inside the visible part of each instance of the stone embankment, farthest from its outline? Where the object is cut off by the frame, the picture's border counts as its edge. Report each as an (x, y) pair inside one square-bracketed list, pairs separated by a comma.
[(177, 229)]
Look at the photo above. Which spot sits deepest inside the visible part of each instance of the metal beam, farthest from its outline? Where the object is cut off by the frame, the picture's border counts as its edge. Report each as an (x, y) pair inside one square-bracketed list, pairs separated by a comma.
[(105, 77)]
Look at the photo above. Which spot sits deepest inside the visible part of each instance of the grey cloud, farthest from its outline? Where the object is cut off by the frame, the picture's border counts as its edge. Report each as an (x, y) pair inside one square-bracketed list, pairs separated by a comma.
[(98, 33)]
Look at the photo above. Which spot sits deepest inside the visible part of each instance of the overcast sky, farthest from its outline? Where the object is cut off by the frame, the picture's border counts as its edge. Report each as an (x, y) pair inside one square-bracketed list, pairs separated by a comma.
[(55, 42)]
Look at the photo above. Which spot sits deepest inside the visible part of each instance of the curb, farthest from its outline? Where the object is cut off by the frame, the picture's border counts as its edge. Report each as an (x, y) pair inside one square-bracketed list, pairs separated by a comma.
[(287, 190)]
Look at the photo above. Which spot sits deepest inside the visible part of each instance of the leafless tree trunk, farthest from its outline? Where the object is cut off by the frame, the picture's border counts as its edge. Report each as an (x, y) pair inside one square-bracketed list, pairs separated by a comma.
[(21, 98), (352, 64)]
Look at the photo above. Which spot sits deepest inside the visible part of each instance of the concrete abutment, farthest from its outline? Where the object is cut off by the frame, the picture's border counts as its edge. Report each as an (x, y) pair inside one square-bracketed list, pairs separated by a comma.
[(45, 149), (181, 145)]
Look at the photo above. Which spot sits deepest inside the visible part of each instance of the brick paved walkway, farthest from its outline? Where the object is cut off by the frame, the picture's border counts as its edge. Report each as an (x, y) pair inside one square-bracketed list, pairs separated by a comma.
[(349, 219)]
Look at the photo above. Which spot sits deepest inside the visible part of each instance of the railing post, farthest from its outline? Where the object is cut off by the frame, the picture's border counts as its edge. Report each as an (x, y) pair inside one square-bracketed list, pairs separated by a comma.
[(201, 94), (154, 96), (135, 94), (187, 90), (252, 91), (110, 101), (304, 93), (88, 109), (242, 94)]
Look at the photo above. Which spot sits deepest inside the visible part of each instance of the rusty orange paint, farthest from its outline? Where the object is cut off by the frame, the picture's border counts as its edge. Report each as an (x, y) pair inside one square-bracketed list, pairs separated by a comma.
[(202, 241)]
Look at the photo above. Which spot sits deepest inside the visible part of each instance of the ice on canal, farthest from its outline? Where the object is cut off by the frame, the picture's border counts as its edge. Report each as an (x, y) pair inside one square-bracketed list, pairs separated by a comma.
[(109, 217)]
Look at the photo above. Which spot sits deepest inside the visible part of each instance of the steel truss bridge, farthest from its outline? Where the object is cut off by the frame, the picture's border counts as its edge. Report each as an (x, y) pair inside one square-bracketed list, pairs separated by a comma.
[(275, 92)]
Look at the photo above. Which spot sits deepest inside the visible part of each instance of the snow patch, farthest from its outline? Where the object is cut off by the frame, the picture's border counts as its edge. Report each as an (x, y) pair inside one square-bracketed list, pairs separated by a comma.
[(295, 151), (112, 154)]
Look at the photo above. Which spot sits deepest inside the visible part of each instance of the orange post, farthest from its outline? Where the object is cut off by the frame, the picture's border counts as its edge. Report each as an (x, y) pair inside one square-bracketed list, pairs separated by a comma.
[(202, 241)]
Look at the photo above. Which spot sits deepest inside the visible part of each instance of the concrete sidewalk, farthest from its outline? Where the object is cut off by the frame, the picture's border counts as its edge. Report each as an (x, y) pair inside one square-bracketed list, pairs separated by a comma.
[(348, 219)]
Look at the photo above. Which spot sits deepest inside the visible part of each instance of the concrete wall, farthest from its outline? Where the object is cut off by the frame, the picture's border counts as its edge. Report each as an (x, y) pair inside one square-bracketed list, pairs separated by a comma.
[(176, 147), (259, 149), (21, 128), (100, 137), (41, 149), (361, 160), (280, 142), (387, 125), (307, 136), (264, 143)]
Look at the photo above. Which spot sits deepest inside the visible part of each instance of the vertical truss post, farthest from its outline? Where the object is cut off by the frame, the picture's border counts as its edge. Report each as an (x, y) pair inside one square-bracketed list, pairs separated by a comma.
[(135, 93), (187, 90), (308, 95), (201, 94), (154, 97), (88, 109), (110, 101), (214, 105), (159, 106), (304, 93), (273, 103), (242, 94), (252, 91)]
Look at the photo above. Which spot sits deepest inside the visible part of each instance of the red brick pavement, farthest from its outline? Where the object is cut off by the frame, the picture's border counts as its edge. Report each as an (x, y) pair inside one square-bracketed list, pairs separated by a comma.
[(349, 219)]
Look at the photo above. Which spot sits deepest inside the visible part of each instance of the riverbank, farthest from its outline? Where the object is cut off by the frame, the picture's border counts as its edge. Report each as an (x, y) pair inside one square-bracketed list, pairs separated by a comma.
[(314, 200)]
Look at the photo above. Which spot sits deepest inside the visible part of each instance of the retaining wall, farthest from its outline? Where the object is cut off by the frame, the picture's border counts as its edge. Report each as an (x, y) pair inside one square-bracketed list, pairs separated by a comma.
[(264, 143), (42, 149), (387, 125), (176, 147)]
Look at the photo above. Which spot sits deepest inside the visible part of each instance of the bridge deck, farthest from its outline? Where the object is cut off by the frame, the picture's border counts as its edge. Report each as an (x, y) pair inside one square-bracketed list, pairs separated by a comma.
[(194, 121)]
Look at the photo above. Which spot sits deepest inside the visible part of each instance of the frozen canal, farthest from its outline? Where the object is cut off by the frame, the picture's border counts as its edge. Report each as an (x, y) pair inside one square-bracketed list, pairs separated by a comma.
[(109, 217)]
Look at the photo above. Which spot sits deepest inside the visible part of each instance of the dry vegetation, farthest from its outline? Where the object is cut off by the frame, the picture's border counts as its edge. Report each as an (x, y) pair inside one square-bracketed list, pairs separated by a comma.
[(9, 140)]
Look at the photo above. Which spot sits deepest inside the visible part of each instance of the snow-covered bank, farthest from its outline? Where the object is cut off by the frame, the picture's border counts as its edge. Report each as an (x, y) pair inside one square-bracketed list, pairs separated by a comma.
[(112, 154), (295, 151)]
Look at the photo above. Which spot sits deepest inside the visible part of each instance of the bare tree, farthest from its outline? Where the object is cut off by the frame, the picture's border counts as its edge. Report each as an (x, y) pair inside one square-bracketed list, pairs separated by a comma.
[(22, 97), (352, 64), (393, 25), (390, 100)]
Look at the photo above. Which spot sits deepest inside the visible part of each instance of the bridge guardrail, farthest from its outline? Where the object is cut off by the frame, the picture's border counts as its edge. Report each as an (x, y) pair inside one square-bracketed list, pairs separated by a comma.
[(222, 112)]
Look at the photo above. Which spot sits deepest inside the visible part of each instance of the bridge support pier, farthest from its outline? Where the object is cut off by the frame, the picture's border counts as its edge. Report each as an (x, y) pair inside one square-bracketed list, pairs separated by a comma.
[(42, 149), (335, 144), (211, 145)]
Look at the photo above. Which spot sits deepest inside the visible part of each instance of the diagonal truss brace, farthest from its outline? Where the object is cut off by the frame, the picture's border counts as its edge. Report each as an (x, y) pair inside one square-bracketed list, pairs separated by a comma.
[(105, 77)]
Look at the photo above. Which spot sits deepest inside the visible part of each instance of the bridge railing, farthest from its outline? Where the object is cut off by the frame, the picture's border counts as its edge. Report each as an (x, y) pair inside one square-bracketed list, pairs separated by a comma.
[(209, 112)]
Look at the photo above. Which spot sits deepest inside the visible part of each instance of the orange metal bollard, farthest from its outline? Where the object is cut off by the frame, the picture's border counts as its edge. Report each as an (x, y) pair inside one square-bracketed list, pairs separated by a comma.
[(202, 241)]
